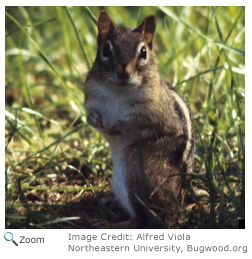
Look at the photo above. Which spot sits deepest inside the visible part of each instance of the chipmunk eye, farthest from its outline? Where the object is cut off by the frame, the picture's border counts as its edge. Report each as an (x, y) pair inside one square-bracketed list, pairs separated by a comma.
[(107, 50), (143, 53)]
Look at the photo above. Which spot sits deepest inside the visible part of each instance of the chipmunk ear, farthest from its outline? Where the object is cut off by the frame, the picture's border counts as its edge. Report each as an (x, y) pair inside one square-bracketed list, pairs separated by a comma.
[(105, 25), (147, 29)]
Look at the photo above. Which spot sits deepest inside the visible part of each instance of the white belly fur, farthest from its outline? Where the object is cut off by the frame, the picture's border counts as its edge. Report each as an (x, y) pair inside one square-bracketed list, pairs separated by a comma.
[(118, 180), (112, 109)]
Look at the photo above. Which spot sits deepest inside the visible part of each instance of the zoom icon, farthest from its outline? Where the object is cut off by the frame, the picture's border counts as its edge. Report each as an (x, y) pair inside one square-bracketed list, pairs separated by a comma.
[(8, 236)]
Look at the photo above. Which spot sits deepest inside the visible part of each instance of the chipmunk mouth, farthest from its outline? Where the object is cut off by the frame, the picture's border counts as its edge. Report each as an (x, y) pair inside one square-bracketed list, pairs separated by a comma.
[(124, 81)]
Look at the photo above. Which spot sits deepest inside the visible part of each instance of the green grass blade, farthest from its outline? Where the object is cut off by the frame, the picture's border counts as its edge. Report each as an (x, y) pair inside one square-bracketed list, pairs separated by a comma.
[(28, 96), (192, 29), (91, 15), (47, 147), (22, 125), (200, 74), (33, 25), (78, 37), (43, 56)]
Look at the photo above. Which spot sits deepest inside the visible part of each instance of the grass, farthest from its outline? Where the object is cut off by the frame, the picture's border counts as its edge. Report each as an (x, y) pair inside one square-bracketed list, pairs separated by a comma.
[(58, 167)]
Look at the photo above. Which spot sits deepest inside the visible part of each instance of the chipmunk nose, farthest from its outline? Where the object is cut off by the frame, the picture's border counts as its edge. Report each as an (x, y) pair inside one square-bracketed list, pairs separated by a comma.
[(122, 72)]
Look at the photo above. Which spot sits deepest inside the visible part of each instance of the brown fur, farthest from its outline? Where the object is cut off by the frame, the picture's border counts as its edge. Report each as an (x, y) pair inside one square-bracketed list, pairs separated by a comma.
[(146, 121)]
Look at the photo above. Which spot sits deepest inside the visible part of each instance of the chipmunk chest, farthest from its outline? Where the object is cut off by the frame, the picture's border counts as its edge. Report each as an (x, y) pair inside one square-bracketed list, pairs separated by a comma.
[(114, 109), (112, 105)]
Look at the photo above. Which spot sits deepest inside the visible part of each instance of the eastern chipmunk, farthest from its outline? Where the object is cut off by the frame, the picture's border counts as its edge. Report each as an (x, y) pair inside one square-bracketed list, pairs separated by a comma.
[(146, 121)]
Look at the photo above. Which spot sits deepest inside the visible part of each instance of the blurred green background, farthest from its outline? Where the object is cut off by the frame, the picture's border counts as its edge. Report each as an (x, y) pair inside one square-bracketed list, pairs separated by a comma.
[(57, 166)]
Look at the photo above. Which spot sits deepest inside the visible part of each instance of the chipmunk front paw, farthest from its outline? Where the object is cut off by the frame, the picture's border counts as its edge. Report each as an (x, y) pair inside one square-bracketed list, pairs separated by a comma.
[(94, 119)]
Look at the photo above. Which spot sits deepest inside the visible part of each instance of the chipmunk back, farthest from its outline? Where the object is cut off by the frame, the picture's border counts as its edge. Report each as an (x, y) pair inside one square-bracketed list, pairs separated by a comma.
[(146, 121)]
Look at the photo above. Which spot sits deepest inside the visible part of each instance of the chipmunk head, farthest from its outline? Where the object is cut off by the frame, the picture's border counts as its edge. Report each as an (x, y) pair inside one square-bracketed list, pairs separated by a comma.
[(124, 55)]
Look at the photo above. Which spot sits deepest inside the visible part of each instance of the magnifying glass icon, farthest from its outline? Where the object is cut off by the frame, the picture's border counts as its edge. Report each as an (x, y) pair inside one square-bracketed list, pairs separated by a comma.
[(8, 236)]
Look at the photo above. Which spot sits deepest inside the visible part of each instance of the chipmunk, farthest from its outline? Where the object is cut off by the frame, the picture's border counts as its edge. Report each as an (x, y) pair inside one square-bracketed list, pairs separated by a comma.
[(146, 121)]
